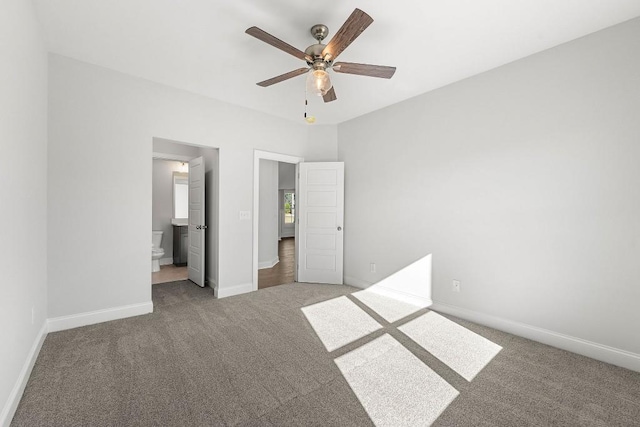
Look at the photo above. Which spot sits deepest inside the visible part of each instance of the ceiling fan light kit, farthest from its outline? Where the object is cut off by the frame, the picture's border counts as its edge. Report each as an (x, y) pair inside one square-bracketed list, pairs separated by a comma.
[(320, 57), (318, 82)]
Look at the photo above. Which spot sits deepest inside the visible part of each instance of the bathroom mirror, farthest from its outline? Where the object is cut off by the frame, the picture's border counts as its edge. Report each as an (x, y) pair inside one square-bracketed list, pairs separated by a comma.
[(180, 195)]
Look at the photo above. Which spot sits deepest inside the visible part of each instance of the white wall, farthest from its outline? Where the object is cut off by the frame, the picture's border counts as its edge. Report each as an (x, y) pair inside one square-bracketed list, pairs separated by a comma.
[(182, 150), (522, 182), (322, 143), (162, 211), (23, 192), (268, 221), (103, 122), (286, 176)]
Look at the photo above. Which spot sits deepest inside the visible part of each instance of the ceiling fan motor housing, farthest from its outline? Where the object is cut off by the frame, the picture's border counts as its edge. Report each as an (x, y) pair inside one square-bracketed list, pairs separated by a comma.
[(315, 50), (319, 32)]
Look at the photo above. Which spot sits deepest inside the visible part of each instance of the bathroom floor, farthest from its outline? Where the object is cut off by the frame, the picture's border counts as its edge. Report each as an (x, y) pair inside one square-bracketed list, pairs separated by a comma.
[(169, 273)]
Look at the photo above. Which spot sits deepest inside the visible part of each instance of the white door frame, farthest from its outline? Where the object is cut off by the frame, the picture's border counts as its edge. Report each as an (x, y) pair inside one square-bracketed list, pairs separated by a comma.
[(257, 156)]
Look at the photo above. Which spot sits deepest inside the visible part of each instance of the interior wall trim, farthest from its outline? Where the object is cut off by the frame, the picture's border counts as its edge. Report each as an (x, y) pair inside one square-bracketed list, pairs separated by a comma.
[(10, 406), (223, 292), (268, 264), (92, 317), (604, 353)]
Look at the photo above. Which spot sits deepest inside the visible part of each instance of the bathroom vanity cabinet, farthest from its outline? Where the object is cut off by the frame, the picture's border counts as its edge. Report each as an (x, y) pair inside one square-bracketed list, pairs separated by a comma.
[(180, 245)]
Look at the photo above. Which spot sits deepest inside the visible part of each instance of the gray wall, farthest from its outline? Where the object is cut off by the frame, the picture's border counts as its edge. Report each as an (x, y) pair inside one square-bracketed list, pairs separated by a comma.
[(168, 147), (212, 212), (523, 184), (286, 176), (268, 221), (162, 212), (23, 192), (120, 115)]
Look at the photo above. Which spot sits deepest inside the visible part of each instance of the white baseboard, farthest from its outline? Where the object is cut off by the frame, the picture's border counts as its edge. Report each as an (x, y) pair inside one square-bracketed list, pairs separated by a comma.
[(11, 405), (615, 356), (223, 292), (358, 283), (390, 292), (166, 261), (210, 282), (99, 316), (268, 264)]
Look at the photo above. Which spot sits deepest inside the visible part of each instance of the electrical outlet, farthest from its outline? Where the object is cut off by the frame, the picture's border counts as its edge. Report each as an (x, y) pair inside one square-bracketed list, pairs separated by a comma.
[(372, 267), (456, 286), (245, 215)]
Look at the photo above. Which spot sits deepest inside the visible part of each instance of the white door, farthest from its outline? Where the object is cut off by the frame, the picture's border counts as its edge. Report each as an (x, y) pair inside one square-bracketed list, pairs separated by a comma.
[(195, 259), (320, 213)]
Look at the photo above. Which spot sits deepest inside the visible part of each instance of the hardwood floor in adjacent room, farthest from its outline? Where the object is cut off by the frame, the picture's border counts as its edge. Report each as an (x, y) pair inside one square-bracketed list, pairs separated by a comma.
[(282, 272)]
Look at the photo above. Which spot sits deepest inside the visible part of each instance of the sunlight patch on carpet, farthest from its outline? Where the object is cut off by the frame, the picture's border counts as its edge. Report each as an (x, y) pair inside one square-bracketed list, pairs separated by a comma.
[(338, 322), (464, 351), (389, 308), (393, 385)]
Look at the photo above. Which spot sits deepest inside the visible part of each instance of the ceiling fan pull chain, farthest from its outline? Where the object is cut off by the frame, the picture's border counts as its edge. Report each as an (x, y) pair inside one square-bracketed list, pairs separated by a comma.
[(308, 119)]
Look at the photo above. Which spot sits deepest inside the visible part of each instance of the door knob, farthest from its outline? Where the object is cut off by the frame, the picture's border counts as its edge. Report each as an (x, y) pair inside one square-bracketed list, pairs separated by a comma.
[(339, 228)]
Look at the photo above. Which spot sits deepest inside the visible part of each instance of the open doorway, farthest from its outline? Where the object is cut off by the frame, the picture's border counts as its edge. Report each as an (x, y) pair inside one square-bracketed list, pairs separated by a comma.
[(319, 217), (274, 210), (169, 217), (276, 232), (184, 213)]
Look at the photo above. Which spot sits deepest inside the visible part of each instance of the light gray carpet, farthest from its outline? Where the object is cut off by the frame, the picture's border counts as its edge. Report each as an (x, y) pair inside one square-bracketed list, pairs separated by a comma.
[(255, 360)]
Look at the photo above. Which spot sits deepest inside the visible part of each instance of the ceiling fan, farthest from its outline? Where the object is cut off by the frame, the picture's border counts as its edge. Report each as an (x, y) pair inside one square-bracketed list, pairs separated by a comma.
[(320, 58)]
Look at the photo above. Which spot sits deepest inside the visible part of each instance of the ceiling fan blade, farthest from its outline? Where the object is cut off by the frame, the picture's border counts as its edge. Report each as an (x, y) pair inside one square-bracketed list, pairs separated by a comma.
[(283, 77), (357, 22), (330, 96), (276, 42), (364, 69)]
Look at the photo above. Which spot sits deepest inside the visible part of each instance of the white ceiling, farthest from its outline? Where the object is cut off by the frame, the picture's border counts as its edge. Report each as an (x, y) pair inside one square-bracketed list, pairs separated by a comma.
[(200, 45)]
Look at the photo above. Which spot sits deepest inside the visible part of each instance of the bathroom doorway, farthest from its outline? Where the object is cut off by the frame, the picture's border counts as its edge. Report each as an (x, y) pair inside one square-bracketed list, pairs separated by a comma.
[(170, 220), (184, 213)]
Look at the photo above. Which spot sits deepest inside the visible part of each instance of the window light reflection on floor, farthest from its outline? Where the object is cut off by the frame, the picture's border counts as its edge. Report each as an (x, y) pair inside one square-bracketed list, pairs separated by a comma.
[(338, 322), (394, 386), (387, 307), (464, 351)]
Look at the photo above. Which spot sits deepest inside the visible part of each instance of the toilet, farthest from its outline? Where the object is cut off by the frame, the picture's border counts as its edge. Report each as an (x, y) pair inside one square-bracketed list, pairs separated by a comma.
[(156, 251)]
